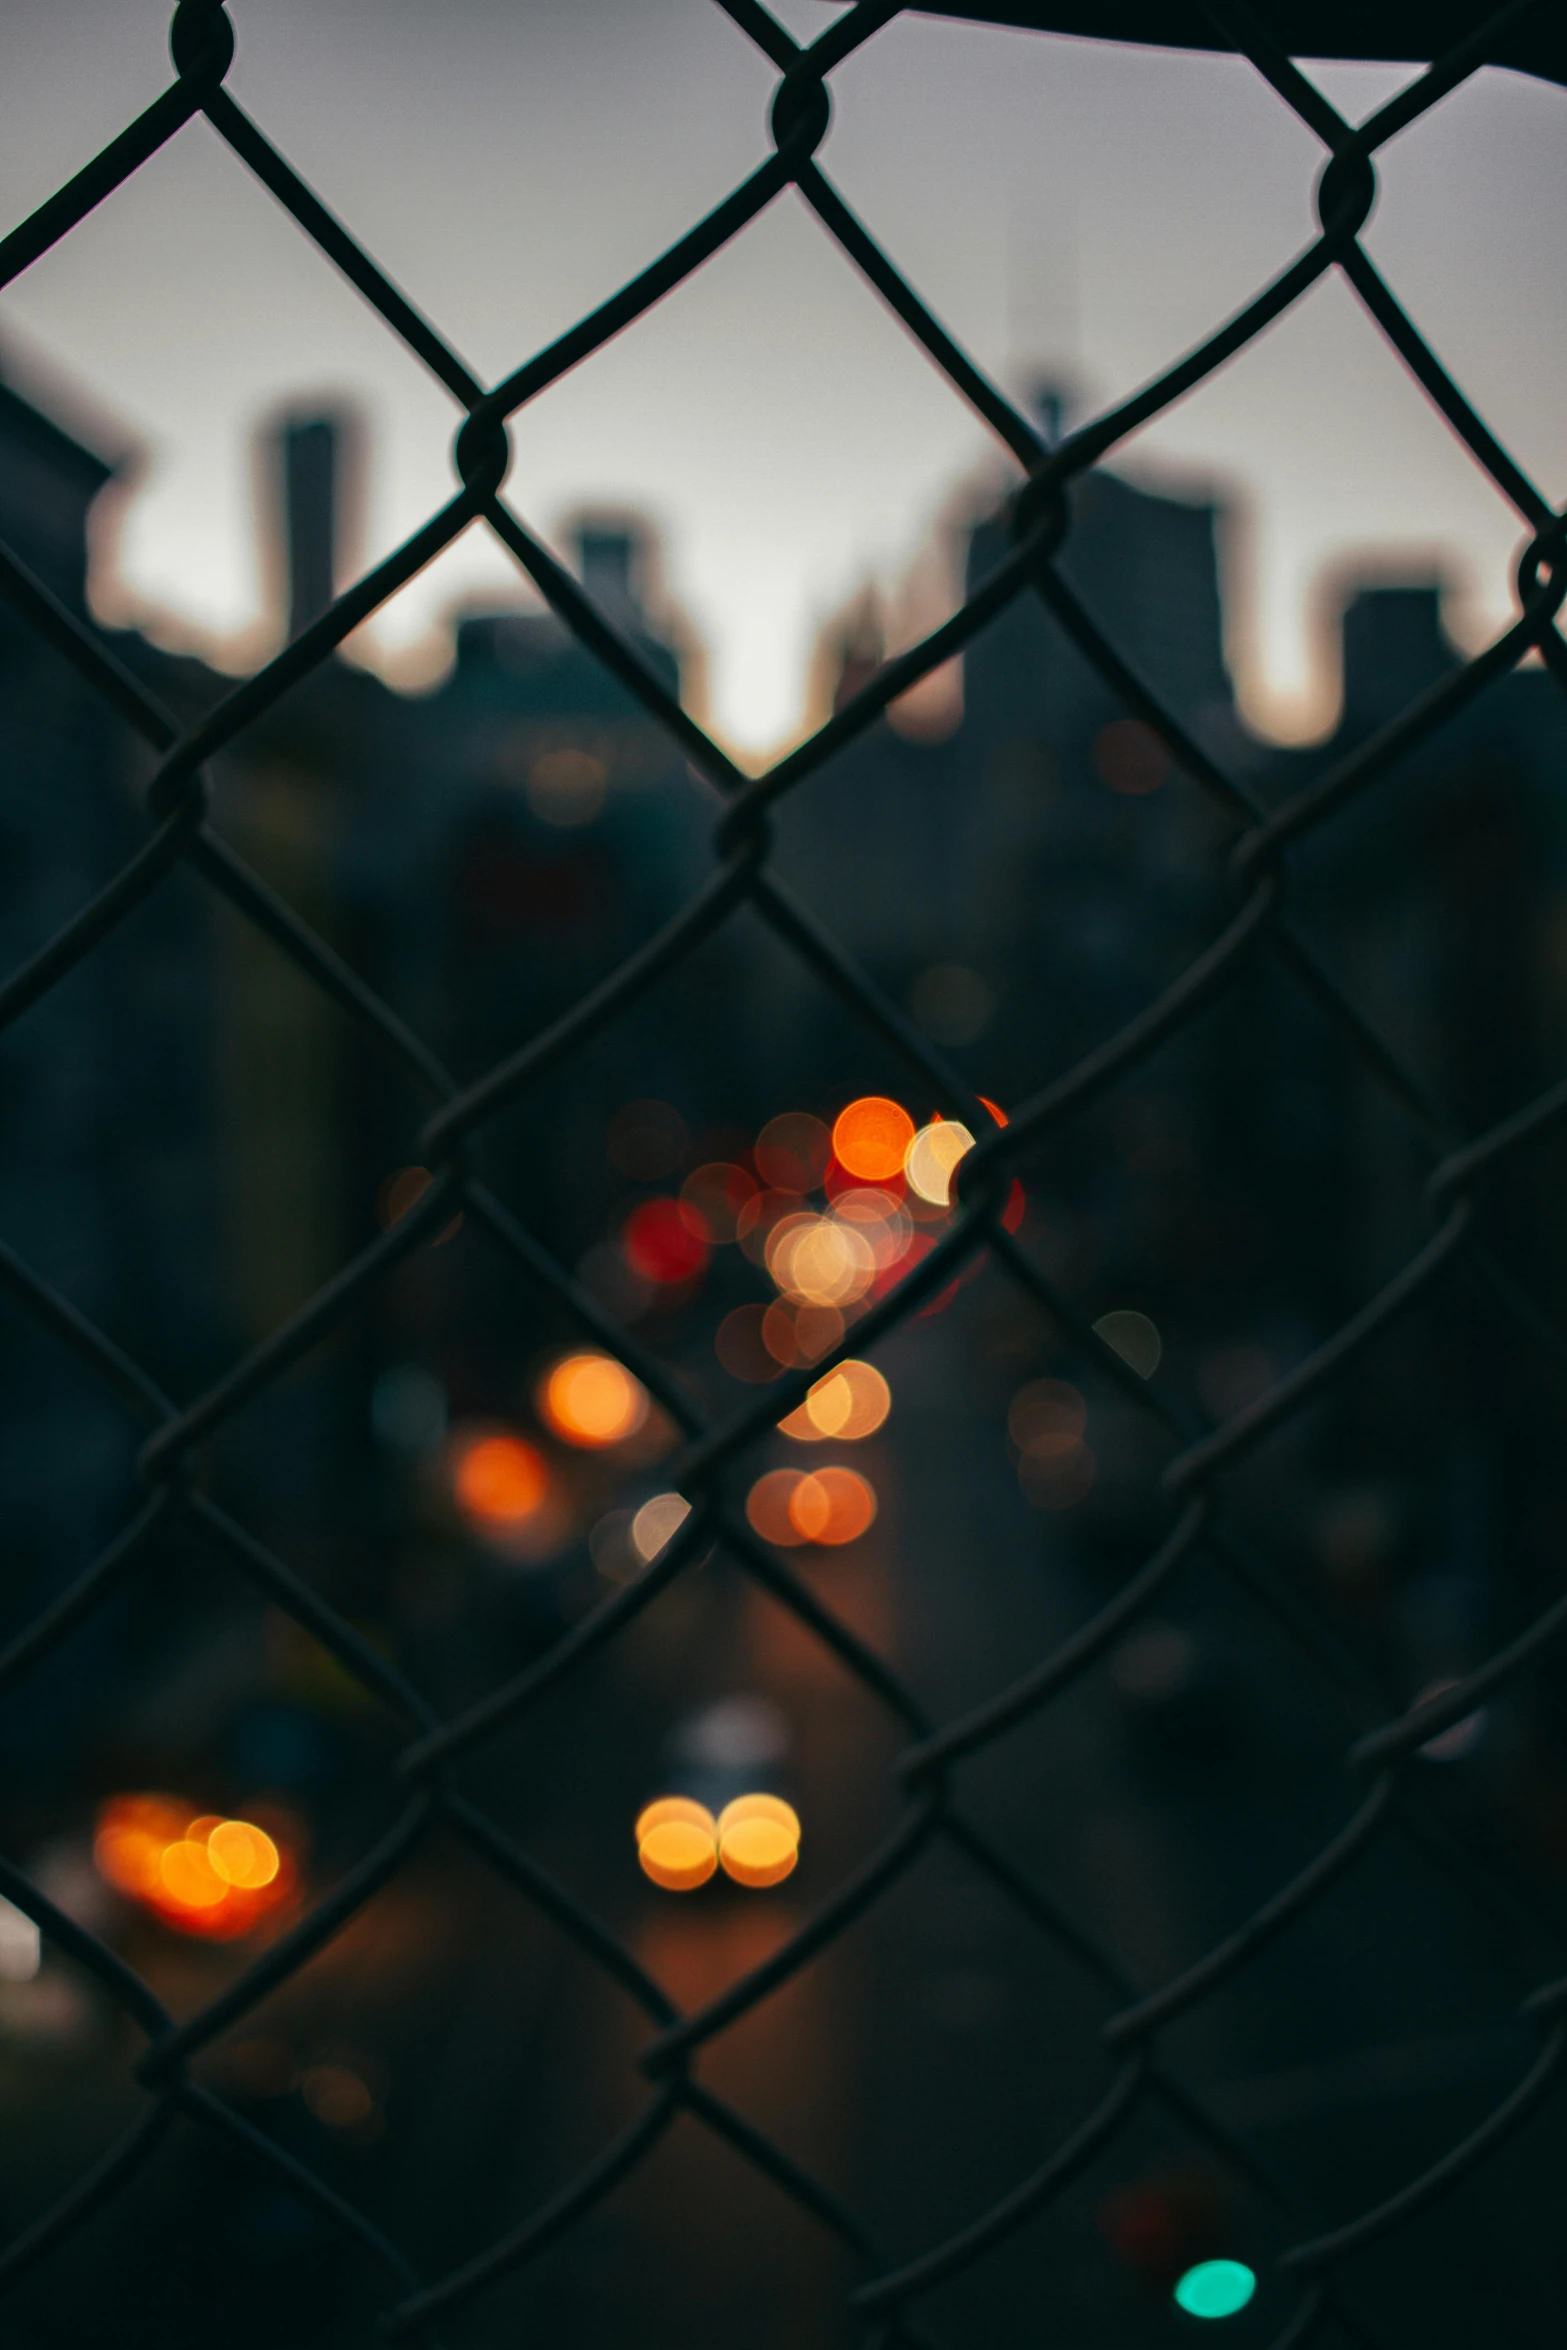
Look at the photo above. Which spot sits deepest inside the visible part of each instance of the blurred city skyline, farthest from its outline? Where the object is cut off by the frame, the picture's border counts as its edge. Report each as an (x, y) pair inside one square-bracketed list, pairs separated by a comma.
[(1070, 209)]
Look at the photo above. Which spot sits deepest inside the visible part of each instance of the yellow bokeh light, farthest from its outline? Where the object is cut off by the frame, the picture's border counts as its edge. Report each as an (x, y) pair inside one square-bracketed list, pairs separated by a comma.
[(759, 1806), (758, 1840), (665, 1808), (590, 1400), (851, 1402), (243, 1855), (932, 1156), (679, 1854), (870, 1137), (189, 1876), (656, 1521)]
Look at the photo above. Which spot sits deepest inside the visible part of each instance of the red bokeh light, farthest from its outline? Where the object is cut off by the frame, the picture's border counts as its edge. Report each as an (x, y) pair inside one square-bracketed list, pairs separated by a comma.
[(667, 1242)]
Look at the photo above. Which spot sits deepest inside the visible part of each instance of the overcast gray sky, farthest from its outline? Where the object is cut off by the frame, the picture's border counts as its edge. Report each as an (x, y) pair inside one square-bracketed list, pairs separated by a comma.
[(1063, 203)]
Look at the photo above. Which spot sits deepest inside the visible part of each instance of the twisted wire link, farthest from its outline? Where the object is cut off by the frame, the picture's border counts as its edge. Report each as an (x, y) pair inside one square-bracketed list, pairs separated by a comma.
[(425, 1797)]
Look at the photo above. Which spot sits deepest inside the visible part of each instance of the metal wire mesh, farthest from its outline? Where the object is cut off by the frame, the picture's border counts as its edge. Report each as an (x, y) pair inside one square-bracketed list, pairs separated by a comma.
[(1319, 2263)]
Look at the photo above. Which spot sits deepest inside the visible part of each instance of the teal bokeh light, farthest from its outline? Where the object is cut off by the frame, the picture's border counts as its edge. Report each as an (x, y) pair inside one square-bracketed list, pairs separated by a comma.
[(1215, 2288)]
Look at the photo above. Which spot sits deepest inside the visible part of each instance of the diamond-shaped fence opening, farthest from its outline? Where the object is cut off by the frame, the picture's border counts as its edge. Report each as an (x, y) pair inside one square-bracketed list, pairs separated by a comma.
[(973, 1318)]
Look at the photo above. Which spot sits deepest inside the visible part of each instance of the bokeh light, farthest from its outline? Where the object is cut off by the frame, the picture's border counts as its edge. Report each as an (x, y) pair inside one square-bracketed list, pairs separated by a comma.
[(816, 1260), (1129, 757), (792, 1152), (1057, 1481), (796, 1335), (1046, 1417), (21, 1944), (718, 1192), (760, 1217), (881, 1221), (850, 1402), (665, 1808), (1215, 2288), (767, 1507), (1047, 1421), (758, 1840), (677, 1843), (656, 1522), (338, 2097), (200, 1873), (741, 1345), (566, 787), (243, 1855), (403, 1191), (500, 1480), (1133, 1337), (188, 1875), (832, 1507), (590, 1400), (870, 1137), (932, 1156), (666, 1241)]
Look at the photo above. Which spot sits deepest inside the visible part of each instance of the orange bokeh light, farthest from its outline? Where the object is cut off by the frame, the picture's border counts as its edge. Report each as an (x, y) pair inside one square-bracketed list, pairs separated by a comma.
[(500, 1480), (677, 1843), (767, 1506), (849, 1403), (871, 1136), (665, 1808), (799, 1334), (742, 1347), (189, 1875), (201, 1874), (591, 1400), (792, 1151), (758, 1840), (829, 1507)]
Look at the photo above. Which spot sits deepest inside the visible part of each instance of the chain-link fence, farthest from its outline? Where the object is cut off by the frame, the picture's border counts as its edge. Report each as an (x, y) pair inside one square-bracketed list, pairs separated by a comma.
[(1260, 943)]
